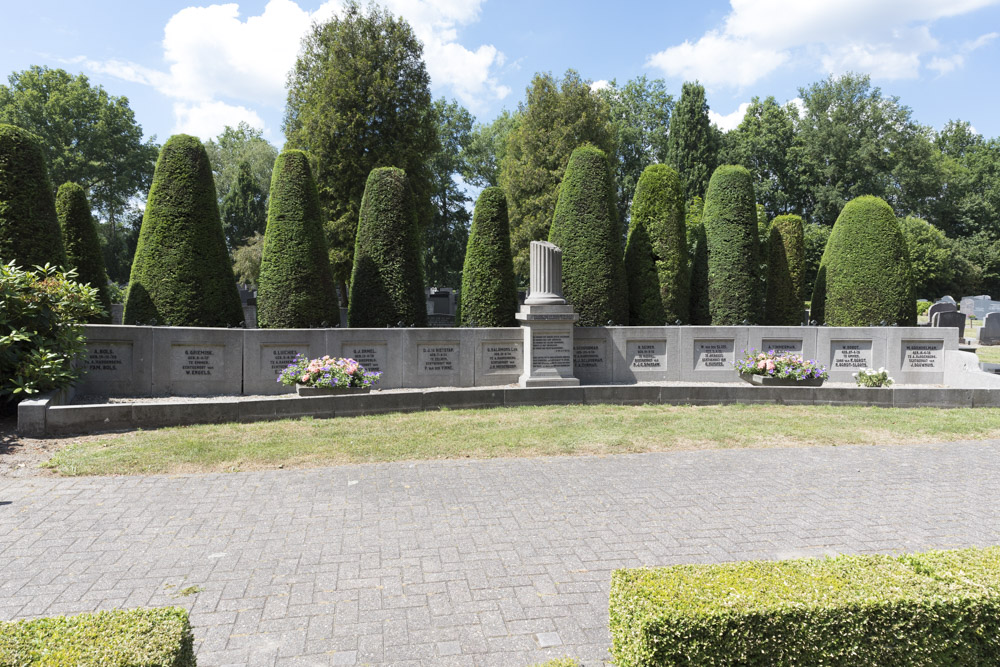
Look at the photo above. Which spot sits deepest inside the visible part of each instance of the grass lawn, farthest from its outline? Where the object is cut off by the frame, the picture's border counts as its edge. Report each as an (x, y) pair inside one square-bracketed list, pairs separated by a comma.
[(503, 432), (989, 354)]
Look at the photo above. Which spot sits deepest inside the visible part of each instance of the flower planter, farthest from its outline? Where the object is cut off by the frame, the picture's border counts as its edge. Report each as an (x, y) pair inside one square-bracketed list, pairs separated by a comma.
[(768, 381), (305, 390)]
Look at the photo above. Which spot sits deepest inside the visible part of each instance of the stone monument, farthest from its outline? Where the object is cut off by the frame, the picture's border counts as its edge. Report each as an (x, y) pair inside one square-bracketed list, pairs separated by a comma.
[(990, 333), (548, 323)]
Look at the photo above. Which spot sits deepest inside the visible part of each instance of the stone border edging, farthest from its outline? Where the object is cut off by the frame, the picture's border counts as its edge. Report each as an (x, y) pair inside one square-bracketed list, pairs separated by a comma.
[(43, 417)]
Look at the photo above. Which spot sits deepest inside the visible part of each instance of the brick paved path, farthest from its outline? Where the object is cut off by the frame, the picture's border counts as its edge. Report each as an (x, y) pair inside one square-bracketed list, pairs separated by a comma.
[(503, 562)]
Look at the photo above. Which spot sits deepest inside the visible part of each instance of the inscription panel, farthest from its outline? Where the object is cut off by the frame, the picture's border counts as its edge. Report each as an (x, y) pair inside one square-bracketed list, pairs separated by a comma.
[(194, 361), (714, 355), (589, 356), (551, 350), (502, 357), (646, 355), (923, 355), (275, 358), (438, 358), (373, 356), (782, 345), (108, 360), (850, 355)]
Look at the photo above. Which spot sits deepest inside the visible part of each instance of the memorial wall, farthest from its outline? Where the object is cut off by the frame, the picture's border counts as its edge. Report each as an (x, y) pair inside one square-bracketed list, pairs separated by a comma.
[(144, 361)]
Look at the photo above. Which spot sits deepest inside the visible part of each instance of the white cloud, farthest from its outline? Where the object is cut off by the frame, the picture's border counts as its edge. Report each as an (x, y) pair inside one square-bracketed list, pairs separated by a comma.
[(945, 64), (888, 38), (729, 121), (208, 119), (220, 64), (601, 84)]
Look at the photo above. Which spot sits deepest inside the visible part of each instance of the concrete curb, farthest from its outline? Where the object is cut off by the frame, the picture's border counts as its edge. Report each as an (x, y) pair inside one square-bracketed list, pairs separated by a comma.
[(46, 417)]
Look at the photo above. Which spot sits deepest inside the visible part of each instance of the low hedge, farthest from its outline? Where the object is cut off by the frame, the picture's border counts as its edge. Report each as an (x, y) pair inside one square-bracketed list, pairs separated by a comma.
[(934, 608), (147, 637)]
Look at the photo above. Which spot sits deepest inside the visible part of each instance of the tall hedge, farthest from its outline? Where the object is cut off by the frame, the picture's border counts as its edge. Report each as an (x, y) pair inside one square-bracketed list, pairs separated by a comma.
[(585, 227), (489, 293), (295, 287), (865, 276), (656, 256), (387, 282), (83, 247), (181, 274), (29, 230), (730, 220), (786, 272), (699, 310)]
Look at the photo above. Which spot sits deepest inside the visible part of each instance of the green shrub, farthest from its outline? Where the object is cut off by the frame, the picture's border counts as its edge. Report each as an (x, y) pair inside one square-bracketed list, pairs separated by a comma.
[(295, 286), (489, 293), (864, 277), (815, 237), (181, 274), (923, 307), (131, 638), (387, 283), (785, 272), (40, 336), (937, 608), (585, 228), (730, 221), (656, 261), (83, 247), (698, 266), (29, 230)]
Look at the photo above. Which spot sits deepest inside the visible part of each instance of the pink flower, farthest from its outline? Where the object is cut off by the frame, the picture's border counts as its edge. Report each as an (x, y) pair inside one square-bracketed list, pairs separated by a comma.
[(761, 365), (304, 378), (770, 365)]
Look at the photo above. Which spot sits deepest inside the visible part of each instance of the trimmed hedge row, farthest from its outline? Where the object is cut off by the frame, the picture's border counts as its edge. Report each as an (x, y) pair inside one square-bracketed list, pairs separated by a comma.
[(295, 288), (130, 638), (730, 221), (585, 228), (83, 247), (936, 608), (865, 276), (29, 230), (786, 272), (489, 293)]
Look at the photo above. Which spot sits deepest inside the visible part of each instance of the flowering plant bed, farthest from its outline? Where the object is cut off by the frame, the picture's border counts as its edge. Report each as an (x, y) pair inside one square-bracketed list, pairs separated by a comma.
[(327, 375), (780, 369)]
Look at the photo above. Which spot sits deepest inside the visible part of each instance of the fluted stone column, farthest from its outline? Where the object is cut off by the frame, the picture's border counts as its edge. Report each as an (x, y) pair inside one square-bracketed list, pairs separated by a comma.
[(548, 323)]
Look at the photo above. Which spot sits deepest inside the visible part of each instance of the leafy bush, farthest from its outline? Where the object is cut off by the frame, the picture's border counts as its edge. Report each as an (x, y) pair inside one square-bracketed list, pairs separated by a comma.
[(936, 608), (923, 307), (181, 274), (83, 247), (489, 293), (40, 336), (387, 283), (246, 260), (785, 272), (932, 257), (295, 285), (131, 638), (730, 221), (865, 277), (585, 228), (656, 252), (814, 238), (29, 230)]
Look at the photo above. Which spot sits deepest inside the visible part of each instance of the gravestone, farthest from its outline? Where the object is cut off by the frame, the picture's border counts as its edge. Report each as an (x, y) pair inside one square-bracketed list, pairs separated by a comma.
[(951, 318), (548, 323), (940, 307), (990, 333), (948, 299), (979, 306), (850, 355), (714, 354)]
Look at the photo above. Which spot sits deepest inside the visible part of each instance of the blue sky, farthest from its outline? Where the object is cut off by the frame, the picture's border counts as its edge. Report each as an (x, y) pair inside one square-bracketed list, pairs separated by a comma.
[(197, 67)]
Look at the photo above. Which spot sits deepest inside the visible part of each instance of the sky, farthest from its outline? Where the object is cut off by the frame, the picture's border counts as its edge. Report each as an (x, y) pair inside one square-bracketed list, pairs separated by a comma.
[(195, 68)]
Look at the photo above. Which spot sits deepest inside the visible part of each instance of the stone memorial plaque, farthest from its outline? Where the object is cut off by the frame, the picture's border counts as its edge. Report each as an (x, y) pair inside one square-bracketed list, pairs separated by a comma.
[(850, 355), (589, 356), (552, 350), (194, 361), (275, 358), (372, 356), (502, 357), (714, 355), (923, 355), (781, 346), (646, 355), (108, 360), (437, 358)]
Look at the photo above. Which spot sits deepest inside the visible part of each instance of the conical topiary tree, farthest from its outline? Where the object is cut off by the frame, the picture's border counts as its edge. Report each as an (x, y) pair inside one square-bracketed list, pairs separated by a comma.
[(295, 286), (83, 247), (656, 255), (730, 221), (387, 283), (29, 230), (181, 274), (489, 293), (865, 276), (786, 272), (585, 228)]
